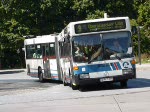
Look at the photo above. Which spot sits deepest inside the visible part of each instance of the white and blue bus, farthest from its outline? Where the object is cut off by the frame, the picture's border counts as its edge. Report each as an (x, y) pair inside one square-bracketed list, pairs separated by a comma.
[(40, 56), (96, 51)]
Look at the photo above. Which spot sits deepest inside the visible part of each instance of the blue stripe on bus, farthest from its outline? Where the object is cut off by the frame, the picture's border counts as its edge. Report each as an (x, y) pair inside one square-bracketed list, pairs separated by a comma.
[(93, 68), (113, 66), (54, 76), (119, 66), (98, 68)]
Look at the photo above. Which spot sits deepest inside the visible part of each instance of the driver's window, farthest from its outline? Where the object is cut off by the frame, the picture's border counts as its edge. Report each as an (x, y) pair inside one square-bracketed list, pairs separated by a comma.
[(45, 49)]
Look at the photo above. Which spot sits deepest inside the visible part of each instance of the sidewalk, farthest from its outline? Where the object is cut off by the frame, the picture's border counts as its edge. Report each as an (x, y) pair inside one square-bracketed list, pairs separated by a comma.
[(8, 71), (143, 66)]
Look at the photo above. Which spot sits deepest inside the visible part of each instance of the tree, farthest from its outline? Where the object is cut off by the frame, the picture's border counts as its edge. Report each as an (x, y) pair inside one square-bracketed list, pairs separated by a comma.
[(144, 21), (96, 15), (10, 33), (144, 17), (82, 8), (42, 17)]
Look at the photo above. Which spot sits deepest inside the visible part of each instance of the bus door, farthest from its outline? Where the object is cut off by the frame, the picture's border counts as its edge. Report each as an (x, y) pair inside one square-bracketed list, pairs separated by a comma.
[(60, 77), (46, 61)]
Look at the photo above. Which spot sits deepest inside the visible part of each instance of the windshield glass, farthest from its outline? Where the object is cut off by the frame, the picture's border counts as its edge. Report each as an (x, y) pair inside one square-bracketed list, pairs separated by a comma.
[(117, 45), (98, 47)]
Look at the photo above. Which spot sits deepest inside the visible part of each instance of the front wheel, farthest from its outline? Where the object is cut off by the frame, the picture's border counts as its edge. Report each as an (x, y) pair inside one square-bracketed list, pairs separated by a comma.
[(74, 87)]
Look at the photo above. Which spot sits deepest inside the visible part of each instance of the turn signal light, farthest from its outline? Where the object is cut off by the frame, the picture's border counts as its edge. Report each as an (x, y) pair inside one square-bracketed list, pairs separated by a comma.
[(76, 68), (133, 62)]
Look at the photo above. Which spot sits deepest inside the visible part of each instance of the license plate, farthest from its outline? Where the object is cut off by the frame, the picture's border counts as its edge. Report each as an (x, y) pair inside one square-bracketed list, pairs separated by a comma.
[(106, 79)]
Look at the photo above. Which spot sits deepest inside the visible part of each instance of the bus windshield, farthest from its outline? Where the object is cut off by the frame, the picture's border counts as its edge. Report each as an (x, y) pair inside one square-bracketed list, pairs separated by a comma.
[(99, 47)]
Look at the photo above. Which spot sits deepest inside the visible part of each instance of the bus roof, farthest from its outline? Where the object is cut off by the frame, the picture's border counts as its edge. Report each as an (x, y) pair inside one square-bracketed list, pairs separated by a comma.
[(101, 19), (71, 26), (40, 39)]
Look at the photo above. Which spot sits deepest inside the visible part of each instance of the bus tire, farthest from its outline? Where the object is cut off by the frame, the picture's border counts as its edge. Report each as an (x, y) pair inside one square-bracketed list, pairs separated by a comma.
[(64, 82), (82, 89), (40, 75), (74, 87), (28, 68), (70, 84), (123, 84)]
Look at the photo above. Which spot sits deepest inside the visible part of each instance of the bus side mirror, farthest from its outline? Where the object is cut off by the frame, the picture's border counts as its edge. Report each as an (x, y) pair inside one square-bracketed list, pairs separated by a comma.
[(134, 30)]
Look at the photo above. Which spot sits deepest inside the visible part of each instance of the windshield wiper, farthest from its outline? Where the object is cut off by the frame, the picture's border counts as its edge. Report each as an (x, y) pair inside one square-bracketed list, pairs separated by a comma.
[(99, 51), (117, 57), (90, 61)]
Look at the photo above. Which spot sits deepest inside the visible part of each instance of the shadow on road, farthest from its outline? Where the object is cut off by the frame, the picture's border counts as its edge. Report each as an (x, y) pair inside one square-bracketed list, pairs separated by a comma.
[(23, 84), (139, 83), (99, 87), (135, 83), (51, 81)]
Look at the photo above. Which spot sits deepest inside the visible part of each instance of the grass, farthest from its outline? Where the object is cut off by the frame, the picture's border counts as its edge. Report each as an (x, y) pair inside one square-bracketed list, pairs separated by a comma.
[(145, 58)]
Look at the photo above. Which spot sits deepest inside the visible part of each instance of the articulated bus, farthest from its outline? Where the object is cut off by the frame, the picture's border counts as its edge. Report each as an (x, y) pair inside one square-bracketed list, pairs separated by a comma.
[(96, 51), (85, 52), (40, 57)]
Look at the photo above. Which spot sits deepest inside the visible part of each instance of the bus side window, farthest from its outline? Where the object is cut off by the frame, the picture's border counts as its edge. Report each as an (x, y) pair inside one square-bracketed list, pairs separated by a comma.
[(39, 51), (52, 49), (61, 49), (66, 49), (47, 50), (30, 49), (43, 51)]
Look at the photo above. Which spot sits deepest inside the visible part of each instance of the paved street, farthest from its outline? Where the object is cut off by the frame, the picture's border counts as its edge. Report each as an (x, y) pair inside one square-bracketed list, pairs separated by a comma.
[(30, 95), (16, 81)]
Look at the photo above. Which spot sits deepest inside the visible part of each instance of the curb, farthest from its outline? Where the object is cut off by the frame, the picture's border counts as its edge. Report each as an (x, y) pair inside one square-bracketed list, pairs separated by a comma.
[(11, 71)]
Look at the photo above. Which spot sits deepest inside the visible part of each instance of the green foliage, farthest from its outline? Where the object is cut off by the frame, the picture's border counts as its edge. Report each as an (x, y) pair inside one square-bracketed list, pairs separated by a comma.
[(144, 17), (96, 15), (41, 17), (83, 6), (145, 43)]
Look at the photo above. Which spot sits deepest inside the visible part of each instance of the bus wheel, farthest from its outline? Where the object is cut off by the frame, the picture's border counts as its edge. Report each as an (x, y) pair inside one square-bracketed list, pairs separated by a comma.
[(64, 82), (40, 74), (28, 68), (74, 87), (123, 84)]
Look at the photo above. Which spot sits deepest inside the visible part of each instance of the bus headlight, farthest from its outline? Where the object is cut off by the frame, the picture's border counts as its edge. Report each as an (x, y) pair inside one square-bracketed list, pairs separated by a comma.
[(84, 76), (127, 71)]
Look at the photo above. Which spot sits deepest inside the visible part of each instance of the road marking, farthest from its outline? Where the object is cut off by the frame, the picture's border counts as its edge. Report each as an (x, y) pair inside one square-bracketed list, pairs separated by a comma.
[(117, 103)]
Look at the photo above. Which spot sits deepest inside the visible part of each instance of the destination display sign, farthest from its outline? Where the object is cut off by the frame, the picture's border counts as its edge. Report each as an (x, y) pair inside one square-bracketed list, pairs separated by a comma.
[(100, 26)]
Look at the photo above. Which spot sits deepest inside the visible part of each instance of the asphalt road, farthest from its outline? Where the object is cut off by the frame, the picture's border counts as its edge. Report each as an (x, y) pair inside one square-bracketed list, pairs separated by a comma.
[(17, 90), (16, 81), (12, 81)]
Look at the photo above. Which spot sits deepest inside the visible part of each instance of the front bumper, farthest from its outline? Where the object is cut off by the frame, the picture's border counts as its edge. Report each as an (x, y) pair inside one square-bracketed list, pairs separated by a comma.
[(90, 81)]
